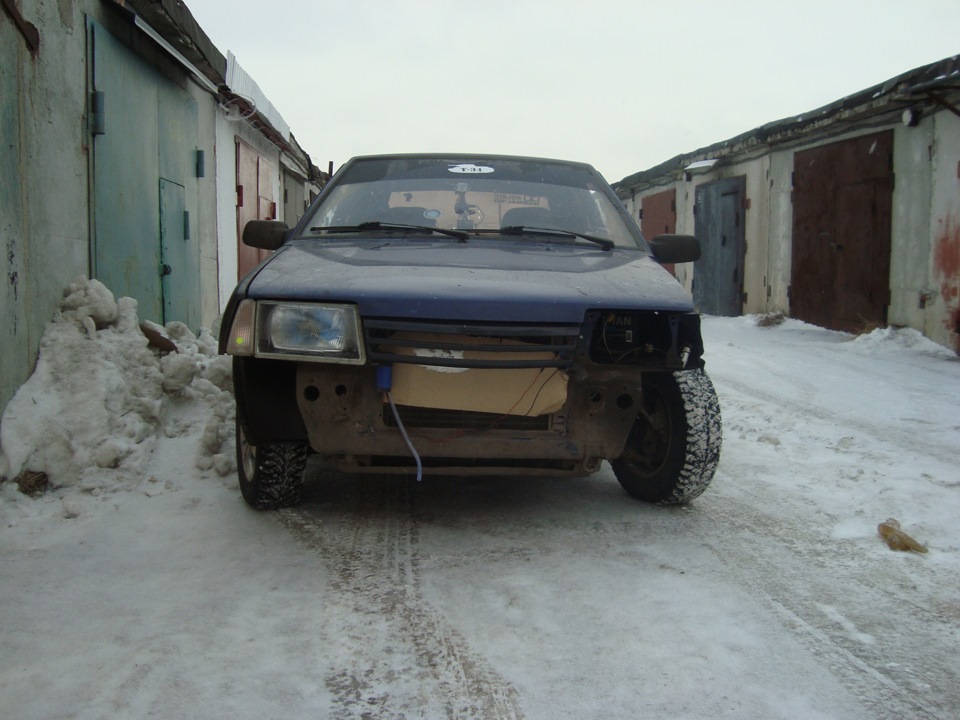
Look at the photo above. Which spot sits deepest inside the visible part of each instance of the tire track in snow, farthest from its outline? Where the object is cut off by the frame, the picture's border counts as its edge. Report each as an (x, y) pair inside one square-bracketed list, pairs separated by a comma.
[(906, 441), (405, 661), (894, 672)]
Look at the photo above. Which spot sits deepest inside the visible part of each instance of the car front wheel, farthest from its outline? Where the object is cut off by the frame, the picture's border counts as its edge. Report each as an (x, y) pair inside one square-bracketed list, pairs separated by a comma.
[(674, 445), (271, 475)]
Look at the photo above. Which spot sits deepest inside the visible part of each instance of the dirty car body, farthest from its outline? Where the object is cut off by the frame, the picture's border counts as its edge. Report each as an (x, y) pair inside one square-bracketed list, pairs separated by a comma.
[(460, 314)]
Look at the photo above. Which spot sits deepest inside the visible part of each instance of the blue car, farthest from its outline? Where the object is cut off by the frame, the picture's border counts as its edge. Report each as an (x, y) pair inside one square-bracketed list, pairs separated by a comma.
[(481, 314)]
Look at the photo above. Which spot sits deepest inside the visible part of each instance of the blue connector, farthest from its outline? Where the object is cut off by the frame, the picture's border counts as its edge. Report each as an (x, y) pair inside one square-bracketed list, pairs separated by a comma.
[(384, 378)]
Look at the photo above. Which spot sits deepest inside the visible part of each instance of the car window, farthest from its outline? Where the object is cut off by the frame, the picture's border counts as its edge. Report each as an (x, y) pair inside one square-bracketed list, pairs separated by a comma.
[(477, 195)]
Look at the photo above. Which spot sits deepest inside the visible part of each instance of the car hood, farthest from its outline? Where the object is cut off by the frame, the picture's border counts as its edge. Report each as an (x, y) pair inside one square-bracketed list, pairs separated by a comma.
[(478, 280)]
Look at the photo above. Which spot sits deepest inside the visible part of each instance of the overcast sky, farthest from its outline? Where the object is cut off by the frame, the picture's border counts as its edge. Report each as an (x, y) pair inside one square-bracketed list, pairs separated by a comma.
[(621, 85)]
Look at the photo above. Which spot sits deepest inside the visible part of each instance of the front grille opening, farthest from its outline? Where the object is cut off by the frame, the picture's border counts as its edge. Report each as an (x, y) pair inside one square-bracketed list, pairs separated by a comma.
[(501, 345), (439, 419)]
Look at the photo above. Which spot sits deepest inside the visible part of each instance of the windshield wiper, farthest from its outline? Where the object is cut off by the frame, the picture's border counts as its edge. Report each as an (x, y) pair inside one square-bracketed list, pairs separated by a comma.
[(605, 243), (377, 225)]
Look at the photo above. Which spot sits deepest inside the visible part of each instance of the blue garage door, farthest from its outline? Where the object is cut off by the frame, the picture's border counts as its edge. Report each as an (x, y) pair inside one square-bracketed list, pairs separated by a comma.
[(718, 223)]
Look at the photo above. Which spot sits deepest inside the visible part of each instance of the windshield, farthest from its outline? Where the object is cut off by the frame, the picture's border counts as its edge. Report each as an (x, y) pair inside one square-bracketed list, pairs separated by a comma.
[(479, 196)]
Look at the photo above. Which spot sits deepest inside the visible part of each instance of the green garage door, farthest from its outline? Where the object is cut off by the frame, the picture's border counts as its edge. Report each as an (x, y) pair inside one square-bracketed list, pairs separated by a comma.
[(144, 156)]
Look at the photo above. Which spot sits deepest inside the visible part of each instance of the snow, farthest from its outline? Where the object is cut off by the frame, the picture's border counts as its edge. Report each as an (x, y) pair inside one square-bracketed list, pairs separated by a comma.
[(139, 584), (101, 399)]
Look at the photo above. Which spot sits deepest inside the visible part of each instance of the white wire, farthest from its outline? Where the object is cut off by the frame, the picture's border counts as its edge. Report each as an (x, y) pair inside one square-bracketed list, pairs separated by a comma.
[(403, 431)]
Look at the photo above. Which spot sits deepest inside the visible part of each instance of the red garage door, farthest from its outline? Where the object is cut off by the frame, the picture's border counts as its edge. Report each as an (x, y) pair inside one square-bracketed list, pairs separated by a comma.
[(659, 215)]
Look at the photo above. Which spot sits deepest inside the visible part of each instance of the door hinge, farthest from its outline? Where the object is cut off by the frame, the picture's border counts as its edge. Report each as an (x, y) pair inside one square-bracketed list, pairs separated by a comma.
[(98, 120), (186, 224)]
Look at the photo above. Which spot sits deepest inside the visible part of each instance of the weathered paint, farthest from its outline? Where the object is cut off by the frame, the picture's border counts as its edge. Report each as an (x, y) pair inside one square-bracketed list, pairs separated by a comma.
[(660, 216), (719, 223), (841, 232), (149, 137), (946, 273), (231, 217), (126, 248), (47, 171), (911, 225), (43, 193)]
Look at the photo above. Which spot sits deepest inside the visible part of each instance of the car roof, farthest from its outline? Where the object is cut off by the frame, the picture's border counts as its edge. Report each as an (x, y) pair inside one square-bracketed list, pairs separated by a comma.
[(468, 156)]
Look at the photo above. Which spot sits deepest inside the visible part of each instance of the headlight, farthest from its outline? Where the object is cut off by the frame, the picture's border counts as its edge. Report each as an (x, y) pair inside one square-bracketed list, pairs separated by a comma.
[(304, 331)]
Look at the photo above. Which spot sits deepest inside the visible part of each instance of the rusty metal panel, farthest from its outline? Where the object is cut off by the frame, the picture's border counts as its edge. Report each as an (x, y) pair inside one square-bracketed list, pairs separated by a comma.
[(659, 216), (247, 205), (720, 226), (265, 176), (255, 201), (946, 272), (842, 205)]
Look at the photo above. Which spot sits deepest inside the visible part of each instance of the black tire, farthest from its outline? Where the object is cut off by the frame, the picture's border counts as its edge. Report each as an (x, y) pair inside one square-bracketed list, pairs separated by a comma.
[(674, 445), (271, 476)]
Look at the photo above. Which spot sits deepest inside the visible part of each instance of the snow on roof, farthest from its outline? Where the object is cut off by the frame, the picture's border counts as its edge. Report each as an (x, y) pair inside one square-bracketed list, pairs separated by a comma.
[(890, 97)]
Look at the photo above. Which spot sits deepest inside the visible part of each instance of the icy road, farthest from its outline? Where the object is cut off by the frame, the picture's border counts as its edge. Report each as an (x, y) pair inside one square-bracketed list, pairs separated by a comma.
[(770, 596)]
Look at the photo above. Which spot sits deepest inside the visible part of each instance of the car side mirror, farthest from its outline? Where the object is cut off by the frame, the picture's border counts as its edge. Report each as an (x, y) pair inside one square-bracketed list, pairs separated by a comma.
[(265, 234), (675, 248)]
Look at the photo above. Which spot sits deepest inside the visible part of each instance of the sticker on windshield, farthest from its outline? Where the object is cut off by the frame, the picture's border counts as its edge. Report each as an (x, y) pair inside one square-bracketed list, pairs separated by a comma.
[(470, 169)]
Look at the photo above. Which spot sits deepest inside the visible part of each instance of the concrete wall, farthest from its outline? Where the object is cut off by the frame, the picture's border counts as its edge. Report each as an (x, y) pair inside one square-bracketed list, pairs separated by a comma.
[(46, 168), (43, 176), (910, 223), (207, 211), (779, 213), (942, 312)]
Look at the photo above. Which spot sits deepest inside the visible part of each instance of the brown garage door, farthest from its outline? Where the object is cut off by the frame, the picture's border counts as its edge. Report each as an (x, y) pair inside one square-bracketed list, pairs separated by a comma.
[(842, 199), (659, 216)]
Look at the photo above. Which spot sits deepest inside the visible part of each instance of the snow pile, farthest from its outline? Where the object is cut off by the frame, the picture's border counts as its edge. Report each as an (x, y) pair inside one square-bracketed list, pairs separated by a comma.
[(897, 339), (90, 415)]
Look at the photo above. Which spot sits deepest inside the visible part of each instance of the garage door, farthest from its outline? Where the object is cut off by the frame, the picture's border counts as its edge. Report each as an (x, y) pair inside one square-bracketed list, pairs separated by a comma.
[(842, 200)]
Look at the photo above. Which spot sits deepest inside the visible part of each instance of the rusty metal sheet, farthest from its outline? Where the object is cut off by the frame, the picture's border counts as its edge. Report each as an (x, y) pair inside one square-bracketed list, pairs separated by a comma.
[(659, 216), (842, 205), (247, 205)]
